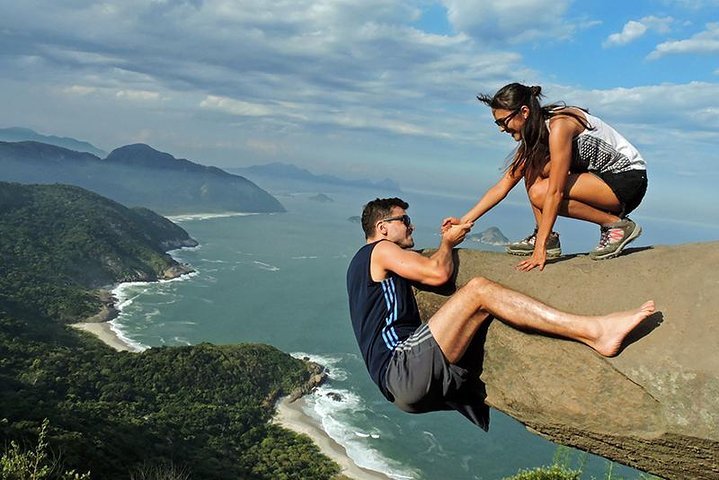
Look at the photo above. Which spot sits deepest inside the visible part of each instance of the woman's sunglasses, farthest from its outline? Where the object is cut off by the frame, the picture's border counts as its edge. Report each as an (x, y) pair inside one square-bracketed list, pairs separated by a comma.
[(502, 122)]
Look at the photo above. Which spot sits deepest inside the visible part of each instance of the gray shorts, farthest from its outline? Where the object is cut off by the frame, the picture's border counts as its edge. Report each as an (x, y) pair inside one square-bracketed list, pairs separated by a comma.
[(420, 379)]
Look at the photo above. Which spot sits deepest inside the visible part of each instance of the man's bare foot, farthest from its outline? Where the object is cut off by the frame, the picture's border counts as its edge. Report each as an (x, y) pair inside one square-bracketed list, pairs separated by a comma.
[(613, 328)]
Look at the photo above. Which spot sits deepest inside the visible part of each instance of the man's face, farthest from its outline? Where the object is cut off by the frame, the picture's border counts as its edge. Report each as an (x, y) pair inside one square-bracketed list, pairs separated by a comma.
[(397, 228)]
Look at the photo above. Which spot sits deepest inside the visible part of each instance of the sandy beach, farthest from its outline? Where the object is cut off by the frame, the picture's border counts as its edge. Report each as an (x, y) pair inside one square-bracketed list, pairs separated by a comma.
[(291, 416), (105, 333)]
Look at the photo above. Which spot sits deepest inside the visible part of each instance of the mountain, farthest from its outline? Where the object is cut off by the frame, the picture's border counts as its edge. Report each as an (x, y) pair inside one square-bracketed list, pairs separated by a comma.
[(490, 236), (321, 198), (293, 172), (136, 175), (17, 134)]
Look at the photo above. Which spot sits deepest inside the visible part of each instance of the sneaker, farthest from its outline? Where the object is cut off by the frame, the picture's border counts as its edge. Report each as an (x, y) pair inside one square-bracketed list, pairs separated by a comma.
[(614, 238), (526, 245)]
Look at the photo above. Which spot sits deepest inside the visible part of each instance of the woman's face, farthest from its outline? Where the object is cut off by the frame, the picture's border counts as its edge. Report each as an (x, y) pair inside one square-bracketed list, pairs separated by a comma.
[(511, 121)]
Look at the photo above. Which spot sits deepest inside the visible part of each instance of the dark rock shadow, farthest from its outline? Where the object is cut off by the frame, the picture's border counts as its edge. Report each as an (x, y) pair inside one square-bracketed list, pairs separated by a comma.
[(563, 258), (629, 251), (642, 330), (626, 251)]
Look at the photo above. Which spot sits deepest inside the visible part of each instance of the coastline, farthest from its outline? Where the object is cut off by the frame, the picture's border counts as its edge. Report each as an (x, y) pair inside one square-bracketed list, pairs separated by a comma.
[(104, 331), (290, 415), (100, 324)]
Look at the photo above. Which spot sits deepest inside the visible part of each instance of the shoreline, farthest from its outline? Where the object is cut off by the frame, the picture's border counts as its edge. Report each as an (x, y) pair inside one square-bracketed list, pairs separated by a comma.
[(108, 336), (100, 324), (290, 416)]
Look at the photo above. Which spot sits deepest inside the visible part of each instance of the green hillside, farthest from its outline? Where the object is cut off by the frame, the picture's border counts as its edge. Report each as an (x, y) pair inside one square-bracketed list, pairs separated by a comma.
[(203, 409), (59, 242)]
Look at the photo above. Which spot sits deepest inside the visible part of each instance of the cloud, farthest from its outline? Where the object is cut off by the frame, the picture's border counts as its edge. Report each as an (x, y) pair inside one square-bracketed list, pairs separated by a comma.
[(497, 21), (310, 64), (706, 42), (79, 90), (670, 120), (635, 29), (631, 31), (235, 107), (138, 95), (317, 79)]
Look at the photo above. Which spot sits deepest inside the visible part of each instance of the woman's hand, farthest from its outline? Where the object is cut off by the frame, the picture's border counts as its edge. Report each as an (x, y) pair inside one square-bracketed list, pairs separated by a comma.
[(537, 260), (448, 222)]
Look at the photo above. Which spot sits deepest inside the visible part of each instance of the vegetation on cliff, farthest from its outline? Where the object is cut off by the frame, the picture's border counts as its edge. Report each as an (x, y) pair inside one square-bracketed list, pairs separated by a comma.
[(204, 409), (59, 242)]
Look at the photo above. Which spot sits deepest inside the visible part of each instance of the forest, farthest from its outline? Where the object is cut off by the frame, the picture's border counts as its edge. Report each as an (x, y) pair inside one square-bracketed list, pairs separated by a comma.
[(203, 410)]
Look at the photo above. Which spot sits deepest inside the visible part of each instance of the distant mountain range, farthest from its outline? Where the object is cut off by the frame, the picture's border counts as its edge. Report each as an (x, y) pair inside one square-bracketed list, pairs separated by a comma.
[(17, 134), (135, 175), (293, 172)]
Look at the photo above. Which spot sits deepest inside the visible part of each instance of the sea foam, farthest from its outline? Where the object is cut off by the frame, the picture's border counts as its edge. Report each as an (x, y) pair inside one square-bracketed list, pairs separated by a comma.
[(125, 294), (333, 408), (206, 216)]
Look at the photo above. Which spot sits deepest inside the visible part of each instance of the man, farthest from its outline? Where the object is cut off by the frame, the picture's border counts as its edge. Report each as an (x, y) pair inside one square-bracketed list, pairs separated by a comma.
[(419, 367)]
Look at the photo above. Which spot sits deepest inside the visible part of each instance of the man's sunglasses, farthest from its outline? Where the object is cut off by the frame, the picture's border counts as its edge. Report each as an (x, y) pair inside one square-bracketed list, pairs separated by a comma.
[(502, 122), (403, 218)]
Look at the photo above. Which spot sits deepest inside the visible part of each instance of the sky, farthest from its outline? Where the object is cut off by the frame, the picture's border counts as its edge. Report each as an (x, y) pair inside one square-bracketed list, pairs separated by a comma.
[(369, 88)]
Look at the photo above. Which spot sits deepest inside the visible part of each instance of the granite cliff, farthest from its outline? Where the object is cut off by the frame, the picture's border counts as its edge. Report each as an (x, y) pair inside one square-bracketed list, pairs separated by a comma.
[(655, 406)]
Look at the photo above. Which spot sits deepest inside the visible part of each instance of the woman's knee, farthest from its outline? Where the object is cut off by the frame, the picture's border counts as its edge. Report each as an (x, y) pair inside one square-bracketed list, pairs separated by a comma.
[(537, 192)]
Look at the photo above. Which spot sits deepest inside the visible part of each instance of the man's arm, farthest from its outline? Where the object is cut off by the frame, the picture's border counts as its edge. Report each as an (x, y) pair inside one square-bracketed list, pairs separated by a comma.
[(433, 271)]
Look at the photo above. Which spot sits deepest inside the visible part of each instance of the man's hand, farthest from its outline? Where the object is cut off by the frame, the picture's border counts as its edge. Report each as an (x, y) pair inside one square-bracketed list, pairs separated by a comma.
[(454, 233)]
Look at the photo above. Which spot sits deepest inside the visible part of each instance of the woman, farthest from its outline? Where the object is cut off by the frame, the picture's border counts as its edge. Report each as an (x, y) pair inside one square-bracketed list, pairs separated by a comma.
[(573, 164)]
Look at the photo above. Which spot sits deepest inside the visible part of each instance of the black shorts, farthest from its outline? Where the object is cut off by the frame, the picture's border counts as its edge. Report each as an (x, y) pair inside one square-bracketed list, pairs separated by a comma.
[(629, 187), (420, 379)]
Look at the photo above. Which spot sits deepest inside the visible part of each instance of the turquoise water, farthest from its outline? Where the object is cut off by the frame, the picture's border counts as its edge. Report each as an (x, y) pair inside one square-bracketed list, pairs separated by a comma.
[(280, 279)]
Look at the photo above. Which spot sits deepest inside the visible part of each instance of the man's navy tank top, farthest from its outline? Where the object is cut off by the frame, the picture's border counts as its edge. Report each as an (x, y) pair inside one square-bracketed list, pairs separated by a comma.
[(383, 313)]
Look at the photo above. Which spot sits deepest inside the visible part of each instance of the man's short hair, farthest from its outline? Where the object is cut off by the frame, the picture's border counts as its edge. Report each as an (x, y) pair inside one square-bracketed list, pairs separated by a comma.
[(378, 209)]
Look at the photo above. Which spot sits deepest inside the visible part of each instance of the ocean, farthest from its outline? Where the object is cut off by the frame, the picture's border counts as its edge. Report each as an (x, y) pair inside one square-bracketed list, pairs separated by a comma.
[(280, 279)]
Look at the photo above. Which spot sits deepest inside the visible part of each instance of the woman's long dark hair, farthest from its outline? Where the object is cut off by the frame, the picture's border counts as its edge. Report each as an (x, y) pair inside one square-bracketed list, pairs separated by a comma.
[(533, 152)]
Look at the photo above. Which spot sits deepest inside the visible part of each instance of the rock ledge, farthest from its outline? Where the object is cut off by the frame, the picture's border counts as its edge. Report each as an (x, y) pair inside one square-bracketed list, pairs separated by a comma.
[(655, 406)]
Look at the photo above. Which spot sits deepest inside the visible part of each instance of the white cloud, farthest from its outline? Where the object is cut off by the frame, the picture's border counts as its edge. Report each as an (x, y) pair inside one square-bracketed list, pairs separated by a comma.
[(634, 29), (315, 79), (496, 21), (657, 115), (79, 90), (706, 42), (631, 31), (138, 95), (235, 107)]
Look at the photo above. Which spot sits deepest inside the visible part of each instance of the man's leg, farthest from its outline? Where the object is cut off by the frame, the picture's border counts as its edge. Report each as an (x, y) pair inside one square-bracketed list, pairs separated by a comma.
[(456, 322)]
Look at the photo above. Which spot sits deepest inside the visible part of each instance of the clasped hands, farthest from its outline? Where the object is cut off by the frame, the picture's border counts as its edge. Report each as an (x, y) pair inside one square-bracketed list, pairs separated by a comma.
[(537, 260)]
